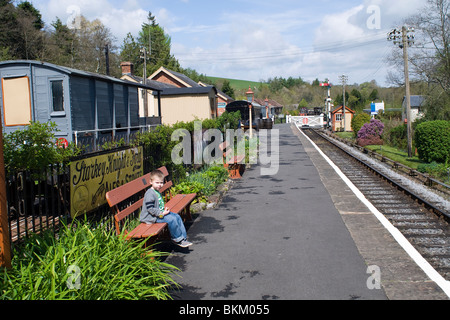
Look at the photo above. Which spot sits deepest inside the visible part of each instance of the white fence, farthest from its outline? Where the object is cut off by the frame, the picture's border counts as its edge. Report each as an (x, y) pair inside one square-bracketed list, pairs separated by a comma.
[(315, 121)]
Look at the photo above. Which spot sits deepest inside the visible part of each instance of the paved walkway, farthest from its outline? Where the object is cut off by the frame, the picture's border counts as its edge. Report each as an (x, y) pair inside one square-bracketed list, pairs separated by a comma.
[(283, 237)]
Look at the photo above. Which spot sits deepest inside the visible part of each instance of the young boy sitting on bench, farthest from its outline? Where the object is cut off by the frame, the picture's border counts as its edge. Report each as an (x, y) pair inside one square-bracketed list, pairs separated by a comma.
[(153, 210)]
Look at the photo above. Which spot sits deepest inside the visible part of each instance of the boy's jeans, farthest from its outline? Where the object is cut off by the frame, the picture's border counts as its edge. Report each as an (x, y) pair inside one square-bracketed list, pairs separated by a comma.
[(176, 226)]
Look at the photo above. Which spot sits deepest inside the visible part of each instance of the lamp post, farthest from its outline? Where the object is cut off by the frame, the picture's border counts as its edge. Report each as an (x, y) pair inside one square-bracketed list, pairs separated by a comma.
[(250, 96), (404, 39), (266, 104)]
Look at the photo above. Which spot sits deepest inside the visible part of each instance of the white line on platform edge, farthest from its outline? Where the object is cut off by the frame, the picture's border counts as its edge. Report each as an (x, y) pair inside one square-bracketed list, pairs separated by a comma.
[(398, 236)]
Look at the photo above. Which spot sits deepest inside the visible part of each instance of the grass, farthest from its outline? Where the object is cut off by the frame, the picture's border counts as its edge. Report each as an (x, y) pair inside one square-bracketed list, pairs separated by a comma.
[(396, 155), (387, 151), (237, 84), (345, 135)]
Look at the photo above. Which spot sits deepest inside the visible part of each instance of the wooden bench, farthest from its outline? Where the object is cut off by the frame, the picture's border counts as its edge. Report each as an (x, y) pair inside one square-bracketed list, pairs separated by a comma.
[(234, 163), (128, 198)]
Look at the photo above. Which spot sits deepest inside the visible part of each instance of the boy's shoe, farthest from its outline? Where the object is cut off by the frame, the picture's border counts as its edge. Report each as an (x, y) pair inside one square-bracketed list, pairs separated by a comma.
[(183, 243)]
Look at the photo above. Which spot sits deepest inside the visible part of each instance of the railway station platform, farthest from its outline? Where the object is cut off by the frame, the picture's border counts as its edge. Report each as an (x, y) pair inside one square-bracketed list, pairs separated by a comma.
[(301, 234)]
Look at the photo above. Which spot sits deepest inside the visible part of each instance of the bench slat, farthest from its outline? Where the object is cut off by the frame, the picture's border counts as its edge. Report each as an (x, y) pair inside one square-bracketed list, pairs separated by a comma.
[(235, 159), (166, 186), (129, 210), (146, 230), (180, 201), (164, 171), (127, 190)]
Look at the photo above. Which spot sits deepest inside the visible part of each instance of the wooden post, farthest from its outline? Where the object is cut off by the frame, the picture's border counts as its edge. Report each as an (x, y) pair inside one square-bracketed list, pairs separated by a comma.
[(5, 245), (408, 94)]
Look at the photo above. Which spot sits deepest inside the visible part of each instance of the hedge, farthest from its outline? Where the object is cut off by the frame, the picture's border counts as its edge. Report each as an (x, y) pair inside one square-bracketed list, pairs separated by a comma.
[(432, 139), (358, 121)]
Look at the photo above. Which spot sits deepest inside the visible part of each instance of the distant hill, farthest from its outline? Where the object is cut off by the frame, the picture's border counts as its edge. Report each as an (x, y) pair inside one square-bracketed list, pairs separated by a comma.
[(236, 84)]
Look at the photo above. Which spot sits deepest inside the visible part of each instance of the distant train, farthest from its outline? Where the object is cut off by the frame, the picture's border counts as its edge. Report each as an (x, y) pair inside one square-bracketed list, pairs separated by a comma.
[(258, 112), (311, 112)]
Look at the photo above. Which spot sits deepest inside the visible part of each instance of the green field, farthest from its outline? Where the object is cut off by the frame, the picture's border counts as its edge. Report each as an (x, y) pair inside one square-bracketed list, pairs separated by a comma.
[(237, 84)]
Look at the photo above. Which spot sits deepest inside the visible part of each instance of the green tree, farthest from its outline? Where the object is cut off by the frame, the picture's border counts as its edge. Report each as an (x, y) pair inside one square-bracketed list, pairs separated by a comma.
[(62, 44), (30, 10), (159, 50), (20, 30), (303, 104), (373, 95), (227, 89)]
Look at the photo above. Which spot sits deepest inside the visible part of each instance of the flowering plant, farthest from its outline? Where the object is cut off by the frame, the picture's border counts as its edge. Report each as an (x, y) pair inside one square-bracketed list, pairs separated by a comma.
[(371, 133)]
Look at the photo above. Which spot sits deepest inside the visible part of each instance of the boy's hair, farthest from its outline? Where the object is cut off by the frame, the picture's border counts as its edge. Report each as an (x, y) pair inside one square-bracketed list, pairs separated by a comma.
[(156, 174)]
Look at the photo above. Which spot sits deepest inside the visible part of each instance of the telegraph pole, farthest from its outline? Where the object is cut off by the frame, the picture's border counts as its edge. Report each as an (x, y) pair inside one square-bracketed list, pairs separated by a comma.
[(107, 59), (404, 39), (144, 56), (344, 80)]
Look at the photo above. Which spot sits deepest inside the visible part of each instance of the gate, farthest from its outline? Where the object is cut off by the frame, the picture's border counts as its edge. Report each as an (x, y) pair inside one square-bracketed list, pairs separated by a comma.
[(315, 121)]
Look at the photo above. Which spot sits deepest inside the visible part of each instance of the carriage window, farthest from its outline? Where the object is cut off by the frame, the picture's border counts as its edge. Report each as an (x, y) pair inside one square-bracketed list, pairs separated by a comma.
[(16, 101), (57, 95)]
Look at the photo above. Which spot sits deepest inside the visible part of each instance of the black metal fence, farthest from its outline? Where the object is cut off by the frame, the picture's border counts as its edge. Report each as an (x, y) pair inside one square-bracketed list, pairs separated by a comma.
[(39, 201)]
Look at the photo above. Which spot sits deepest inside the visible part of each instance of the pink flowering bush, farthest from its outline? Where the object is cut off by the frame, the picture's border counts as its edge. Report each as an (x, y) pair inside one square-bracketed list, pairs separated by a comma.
[(371, 133)]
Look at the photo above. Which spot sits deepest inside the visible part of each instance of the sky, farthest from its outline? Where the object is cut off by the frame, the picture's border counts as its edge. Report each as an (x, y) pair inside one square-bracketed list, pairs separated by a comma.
[(259, 39)]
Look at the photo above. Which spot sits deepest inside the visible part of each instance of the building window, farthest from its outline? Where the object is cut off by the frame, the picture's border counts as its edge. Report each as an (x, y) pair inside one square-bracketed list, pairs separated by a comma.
[(57, 95), (338, 116)]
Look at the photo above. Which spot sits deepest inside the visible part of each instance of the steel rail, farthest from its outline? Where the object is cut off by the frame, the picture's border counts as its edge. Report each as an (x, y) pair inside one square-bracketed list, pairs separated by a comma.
[(428, 205)]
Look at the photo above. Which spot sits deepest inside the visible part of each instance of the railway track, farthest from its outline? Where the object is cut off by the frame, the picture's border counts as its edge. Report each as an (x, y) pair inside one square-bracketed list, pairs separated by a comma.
[(423, 219)]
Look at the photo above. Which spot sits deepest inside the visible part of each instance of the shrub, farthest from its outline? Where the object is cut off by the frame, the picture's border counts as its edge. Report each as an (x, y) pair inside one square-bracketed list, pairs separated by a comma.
[(358, 121), (434, 169), (35, 148), (204, 182), (432, 139), (397, 137), (371, 133), (85, 263)]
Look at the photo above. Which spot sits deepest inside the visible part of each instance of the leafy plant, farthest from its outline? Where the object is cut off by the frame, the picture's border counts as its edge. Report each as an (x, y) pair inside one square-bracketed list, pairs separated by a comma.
[(397, 137), (35, 147), (186, 187), (358, 121), (432, 139), (85, 263), (434, 169), (204, 182), (371, 133)]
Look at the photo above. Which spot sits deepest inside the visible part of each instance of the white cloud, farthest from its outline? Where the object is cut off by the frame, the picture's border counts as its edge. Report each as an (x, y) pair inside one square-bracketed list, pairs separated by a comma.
[(259, 43), (119, 19), (353, 45)]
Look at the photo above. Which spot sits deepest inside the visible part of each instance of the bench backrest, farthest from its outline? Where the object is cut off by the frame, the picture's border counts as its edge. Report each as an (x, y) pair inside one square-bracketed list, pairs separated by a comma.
[(136, 188)]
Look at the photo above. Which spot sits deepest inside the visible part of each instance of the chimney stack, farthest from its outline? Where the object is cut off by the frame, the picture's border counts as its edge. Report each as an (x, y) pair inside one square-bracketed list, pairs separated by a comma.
[(127, 68)]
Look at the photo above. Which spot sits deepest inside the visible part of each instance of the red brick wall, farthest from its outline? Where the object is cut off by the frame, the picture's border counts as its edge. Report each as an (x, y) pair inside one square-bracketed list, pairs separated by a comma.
[(161, 77)]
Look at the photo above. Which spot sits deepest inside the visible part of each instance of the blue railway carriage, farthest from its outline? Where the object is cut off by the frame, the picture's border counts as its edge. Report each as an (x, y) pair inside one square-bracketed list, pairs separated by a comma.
[(88, 108)]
